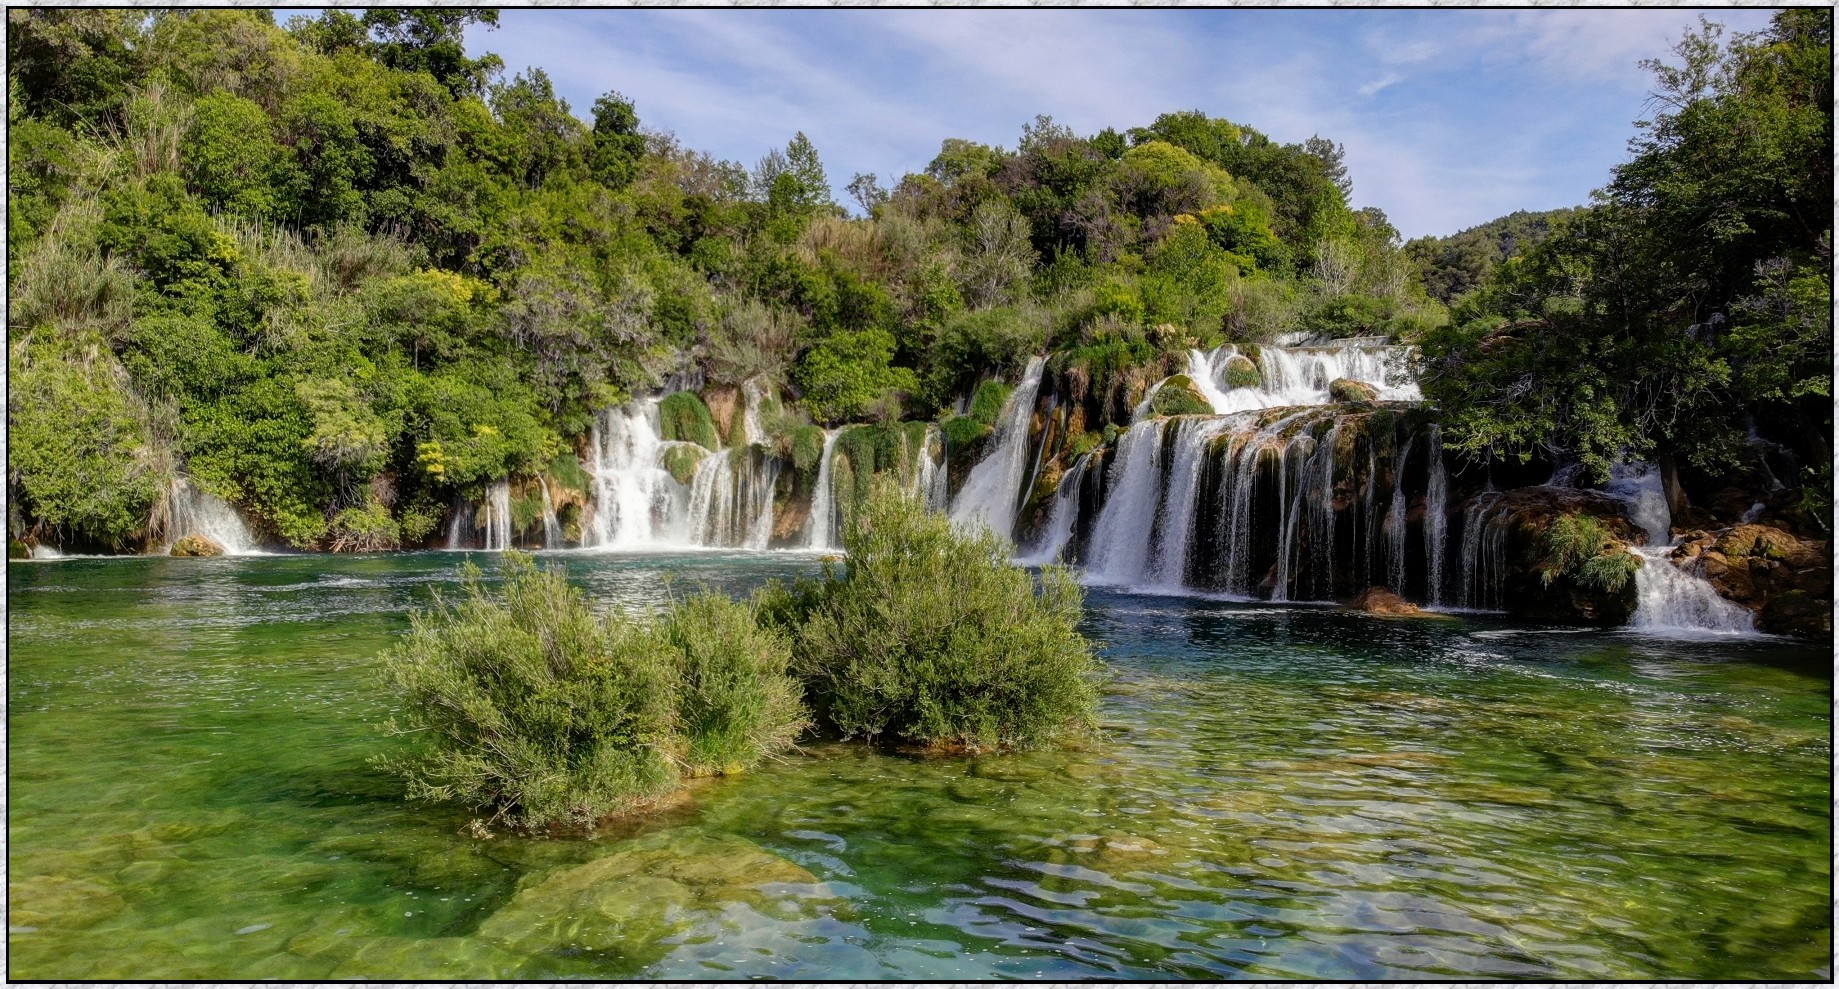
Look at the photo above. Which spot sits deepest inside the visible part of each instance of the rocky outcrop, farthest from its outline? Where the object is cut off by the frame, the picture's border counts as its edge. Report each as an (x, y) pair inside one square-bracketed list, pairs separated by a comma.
[(1384, 601), (196, 545), (1526, 514), (1178, 396), (1241, 372), (1786, 581), (1348, 390)]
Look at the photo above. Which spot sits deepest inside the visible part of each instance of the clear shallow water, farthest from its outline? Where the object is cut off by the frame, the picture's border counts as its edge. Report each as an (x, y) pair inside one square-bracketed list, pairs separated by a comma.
[(1280, 792)]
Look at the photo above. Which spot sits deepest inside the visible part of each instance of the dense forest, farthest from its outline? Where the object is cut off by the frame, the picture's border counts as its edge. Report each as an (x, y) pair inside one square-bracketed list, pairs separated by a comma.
[(341, 271)]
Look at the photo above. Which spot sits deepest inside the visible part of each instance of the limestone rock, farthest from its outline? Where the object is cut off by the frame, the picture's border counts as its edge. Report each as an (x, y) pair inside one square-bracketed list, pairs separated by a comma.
[(1383, 601), (196, 545), (1785, 580), (1349, 390), (1178, 396)]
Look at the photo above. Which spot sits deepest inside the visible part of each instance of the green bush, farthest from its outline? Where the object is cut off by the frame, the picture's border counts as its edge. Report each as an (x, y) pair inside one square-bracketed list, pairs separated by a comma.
[(526, 705), (364, 529), (682, 461), (684, 417), (1581, 548), (987, 404), (932, 636), (807, 447), (736, 703)]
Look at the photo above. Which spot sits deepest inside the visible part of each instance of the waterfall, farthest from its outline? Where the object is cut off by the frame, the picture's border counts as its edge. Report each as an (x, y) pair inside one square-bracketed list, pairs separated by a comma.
[(1396, 522), (1483, 553), (820, 529), (460, 522), (1436, 519), (552, 533), (929, 477), (192, 511), (1666, 597), (1168, 562), (1121, 537), (731, 499), (498, 516), (994, 488), (752, 430), (1204, 370), (1052, 542), (636, 501)]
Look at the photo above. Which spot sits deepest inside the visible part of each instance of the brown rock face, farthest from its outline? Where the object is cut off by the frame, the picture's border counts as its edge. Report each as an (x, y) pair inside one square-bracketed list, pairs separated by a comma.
[(1787, 581), (1382, 601), (723, 401)]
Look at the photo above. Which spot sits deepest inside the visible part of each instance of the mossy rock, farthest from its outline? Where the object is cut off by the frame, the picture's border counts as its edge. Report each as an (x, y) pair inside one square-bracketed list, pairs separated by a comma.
[(196, 545), (682, 461), (16, 550), (1349, 390), (964, 431), (1179, 397), (682, 416), (1242, 373), (807, 448), (987, 404)]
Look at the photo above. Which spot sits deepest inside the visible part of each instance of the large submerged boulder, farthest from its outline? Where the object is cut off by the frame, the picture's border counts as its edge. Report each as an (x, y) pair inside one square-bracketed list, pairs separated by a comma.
[(1786, 581)]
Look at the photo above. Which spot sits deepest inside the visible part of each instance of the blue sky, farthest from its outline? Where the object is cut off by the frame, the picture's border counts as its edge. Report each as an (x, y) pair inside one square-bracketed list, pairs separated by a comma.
[(1449, 117)]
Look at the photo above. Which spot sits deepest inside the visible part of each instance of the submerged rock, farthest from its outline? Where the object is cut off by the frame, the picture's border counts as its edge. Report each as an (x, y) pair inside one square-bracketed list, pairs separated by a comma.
[(626, 904), (196, 545), (1384, 601), (57, 902)]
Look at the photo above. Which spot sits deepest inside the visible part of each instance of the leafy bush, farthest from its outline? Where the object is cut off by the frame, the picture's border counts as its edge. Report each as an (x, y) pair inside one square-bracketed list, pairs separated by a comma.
[(364, 529), (807, 447), (962, 432), (932, 636), (1581, 548), (987, 404), (736, 704), (527, 705), (684, 417)]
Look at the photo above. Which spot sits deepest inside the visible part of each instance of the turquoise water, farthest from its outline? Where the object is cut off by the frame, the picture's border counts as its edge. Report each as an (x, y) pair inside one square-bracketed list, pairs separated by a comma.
[(1279, 792)]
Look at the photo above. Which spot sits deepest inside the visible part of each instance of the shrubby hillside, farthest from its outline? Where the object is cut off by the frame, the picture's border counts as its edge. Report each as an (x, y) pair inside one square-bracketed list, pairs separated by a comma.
[(341, 271)]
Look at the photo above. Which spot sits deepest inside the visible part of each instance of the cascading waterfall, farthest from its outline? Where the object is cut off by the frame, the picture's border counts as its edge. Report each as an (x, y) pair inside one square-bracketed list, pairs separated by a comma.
[(752, 429), (731, 499), (1483, 553), (552, 532), (1301, 377), (929, 475), (1395, 520), (192, 511), (1059, 529), (1121, 538), (637, 503), (1436, 517), (992, 491), (820, 529), (498, 516), (1666, 597)]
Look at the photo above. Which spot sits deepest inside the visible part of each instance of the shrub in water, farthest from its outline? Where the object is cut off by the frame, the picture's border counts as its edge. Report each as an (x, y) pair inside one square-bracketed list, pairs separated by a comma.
[(1583, 549), (736, 703), (531, 707), (932, 636)]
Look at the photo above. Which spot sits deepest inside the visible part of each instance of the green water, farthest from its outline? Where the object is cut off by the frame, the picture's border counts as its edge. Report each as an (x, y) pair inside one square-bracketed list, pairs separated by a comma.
[(1279, 793)]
